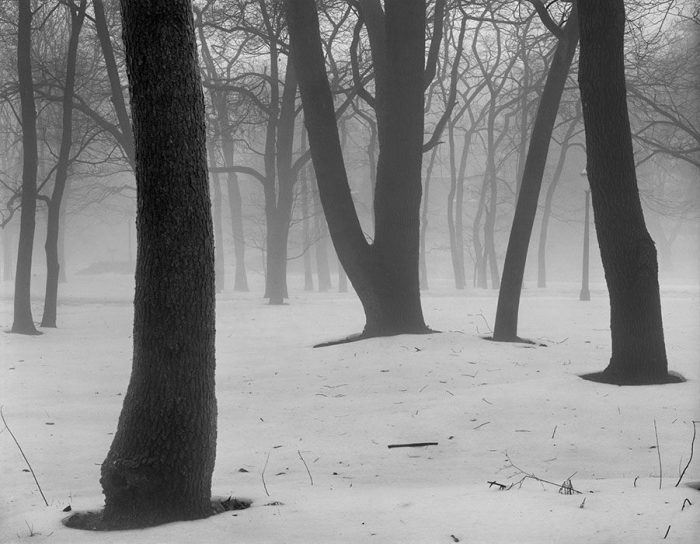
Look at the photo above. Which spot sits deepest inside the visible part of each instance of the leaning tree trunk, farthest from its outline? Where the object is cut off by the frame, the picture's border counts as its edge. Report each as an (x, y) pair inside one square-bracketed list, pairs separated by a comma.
[(23, 322), (160, 464), (506, 326), (385, 273), (54, 215), (626, 249)]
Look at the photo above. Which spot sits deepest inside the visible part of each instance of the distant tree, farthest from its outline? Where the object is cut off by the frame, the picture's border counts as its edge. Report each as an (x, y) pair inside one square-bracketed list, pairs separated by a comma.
[(23, 321), (385, 272), (160, 464), (627, 250), (506, 324)]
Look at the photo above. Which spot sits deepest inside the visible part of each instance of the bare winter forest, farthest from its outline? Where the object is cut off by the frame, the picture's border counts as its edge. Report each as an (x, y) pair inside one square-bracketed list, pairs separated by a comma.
[(304, 271)]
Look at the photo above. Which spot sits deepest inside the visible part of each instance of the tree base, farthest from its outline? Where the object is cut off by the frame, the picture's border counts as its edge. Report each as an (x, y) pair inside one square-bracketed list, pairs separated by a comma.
[(609, 378), (92, 520), (25, 330)]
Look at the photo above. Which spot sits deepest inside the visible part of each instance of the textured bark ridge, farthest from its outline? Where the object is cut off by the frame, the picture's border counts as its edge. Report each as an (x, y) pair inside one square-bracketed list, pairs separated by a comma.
[(159, 466), (627, 251)]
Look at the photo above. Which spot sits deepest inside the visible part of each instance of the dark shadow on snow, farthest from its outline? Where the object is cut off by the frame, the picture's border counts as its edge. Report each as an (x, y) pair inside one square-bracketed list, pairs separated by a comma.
[(517, 340), (364, 336), (604, 377)]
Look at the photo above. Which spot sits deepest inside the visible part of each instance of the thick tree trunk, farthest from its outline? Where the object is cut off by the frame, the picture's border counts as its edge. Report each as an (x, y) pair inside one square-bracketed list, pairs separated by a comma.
[(506, 325), (160, 464), (384, 274), (626, 249), (23, 322), (54, 212)]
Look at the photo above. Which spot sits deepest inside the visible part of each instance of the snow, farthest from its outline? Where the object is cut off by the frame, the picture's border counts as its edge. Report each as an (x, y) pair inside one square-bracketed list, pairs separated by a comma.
[(488, 405)]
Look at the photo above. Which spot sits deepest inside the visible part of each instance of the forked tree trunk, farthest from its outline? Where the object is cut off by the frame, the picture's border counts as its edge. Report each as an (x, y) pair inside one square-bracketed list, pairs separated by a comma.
[(23, 321), (384, 274), (160, 464), (626, 249), (506, 326)]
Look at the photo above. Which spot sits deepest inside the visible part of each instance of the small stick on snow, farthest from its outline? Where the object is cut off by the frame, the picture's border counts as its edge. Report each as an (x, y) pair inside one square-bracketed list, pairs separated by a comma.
[(658, 451), (479, 426), (554, 431), (412, 445), (686, 500), (24, 456), (667, 531), (307, 467), (262, 474), (692, 442)]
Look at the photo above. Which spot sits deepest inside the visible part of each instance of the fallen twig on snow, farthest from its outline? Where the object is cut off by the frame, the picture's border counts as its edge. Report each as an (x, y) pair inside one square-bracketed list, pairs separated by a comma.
[(412, 445), (24, 456), (262, 474), (307, 467), (692, 442), (565, 487), (658, 452)]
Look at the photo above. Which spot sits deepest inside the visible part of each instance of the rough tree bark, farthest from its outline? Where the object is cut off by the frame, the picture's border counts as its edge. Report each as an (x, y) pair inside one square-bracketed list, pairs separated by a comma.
[(160, 464), (23, 321), (506, 326), (385, 273), (77, 16), (626, 248)]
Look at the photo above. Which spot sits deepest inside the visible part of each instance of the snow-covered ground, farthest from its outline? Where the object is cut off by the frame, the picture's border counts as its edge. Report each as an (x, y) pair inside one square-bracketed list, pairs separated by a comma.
[(490, 407)]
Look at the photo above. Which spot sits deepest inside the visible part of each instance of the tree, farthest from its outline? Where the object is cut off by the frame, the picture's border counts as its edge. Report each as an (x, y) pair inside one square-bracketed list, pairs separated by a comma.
[(160, 464), (385, 272), (626, 248), (77, 15), (506, 325), (23, 322)]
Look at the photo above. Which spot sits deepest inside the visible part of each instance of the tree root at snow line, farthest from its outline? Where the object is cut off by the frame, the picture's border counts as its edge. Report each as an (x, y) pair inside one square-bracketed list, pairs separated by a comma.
[(92, 520)]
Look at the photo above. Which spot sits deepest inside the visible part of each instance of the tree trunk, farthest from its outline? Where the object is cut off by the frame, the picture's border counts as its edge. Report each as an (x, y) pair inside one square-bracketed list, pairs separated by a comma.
[(627, 251), (424, 220), (117, 98), (160, 464), (62, 276), (547, 208), (323, 271), (6, 253), (219, 260), (54, 212), (308, 272), (456, 245), (23, 322), (384, 274), (506, 325)]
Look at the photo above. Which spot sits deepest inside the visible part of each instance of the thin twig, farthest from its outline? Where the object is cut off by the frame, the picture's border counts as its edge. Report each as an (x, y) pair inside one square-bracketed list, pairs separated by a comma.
[(307, 467), (667, 531), (537, 478), (691, 456), (262, 474), (25, 457), (658, 452)]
